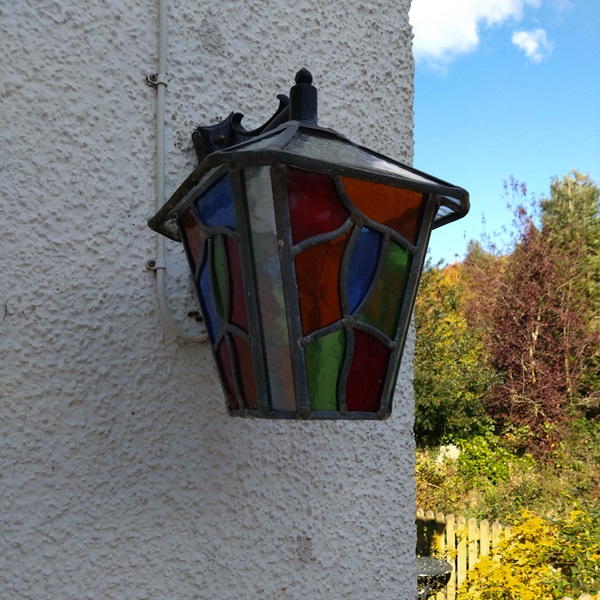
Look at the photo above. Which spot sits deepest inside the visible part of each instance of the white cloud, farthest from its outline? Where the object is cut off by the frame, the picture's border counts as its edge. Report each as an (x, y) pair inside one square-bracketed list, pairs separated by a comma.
[(444, 29), (534, 43)]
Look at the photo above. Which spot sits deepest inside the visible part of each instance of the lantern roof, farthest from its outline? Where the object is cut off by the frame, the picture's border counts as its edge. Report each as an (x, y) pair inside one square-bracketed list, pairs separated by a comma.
[(307, 146)]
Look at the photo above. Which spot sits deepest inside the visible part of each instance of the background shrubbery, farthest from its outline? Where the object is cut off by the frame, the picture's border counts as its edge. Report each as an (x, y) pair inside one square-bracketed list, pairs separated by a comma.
[(507, 368), (490, 480)]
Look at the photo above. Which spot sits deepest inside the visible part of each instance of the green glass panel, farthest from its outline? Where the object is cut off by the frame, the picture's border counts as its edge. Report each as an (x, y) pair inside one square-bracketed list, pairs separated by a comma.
[(383, 309), (220, 273), (324, 360)]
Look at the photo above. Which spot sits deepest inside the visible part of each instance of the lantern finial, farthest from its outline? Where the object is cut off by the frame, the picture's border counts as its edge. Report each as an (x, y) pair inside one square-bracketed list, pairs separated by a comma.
[(303, 99), (304, 76)]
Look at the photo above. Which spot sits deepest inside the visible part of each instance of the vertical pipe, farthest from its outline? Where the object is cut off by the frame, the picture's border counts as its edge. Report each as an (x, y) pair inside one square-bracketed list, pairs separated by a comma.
[(161, 88)]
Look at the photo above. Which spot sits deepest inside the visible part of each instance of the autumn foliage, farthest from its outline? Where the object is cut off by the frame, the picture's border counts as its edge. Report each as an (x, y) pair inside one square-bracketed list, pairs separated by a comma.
[(513, 335)]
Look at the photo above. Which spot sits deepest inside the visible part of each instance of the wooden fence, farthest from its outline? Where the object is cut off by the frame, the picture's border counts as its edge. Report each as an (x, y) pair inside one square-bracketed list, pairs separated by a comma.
[(460, 542)]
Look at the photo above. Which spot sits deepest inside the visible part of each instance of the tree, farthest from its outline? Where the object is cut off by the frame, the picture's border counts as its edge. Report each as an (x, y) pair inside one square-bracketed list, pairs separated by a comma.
[(539, 336), (451, 376), (571, 220)]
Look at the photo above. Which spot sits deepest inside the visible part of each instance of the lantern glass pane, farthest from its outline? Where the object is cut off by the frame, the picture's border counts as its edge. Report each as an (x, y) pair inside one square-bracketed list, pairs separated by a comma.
[(318, 278), (324, 359), (397, 208), (193, 239), (215, 206), (341, 152), (236, 364), (363, 266), (245, 364), (235, 305), (367, 374), (383, 307), (225, 366), (271, 303), (207, 296), (315, 206)]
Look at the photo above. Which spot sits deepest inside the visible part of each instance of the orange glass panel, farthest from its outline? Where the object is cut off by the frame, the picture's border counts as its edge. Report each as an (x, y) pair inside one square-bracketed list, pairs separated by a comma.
[(397, 208), (318, 277)]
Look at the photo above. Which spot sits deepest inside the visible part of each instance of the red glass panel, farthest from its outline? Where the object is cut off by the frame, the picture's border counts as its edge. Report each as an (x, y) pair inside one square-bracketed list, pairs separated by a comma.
[(226, 369), (238, 313), (193, 237), (317, 274), (367, 374), (246, 370), (315, 206), (399, 209)]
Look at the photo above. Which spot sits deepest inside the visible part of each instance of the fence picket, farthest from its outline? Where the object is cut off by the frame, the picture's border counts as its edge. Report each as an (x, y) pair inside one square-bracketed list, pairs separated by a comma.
[(496, 536), (440, 539), (461, 551), (451, 553), (473, 542), (484, 538)]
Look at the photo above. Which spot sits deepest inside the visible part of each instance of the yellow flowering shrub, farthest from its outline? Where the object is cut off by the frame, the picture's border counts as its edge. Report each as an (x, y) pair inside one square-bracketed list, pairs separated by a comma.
[(541, 560)]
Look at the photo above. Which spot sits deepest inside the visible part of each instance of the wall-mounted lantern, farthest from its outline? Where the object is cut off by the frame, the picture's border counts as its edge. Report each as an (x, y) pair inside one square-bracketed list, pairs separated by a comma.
[(306, 251)]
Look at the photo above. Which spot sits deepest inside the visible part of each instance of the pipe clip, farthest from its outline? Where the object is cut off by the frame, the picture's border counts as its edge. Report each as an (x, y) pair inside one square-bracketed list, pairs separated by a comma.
[(156, 263), (156, 79)]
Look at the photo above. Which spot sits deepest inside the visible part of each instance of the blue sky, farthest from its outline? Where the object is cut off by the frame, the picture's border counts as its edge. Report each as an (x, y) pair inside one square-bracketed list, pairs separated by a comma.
[(504, 88)]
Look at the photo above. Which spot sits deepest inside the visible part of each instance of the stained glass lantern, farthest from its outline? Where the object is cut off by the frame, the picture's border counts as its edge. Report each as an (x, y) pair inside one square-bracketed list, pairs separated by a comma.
[(306, 252)]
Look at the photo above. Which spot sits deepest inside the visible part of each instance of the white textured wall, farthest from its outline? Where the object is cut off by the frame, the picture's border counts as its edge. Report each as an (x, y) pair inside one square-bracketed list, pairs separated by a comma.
[(120, 474)]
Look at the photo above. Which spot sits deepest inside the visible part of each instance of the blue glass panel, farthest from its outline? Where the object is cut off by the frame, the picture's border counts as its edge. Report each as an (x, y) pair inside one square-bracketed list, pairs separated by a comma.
[(362, 266), (215, 206), (205, 293)]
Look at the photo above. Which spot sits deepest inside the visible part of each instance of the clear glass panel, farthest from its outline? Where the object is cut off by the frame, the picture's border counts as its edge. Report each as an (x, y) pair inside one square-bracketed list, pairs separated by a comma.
[(270, 139), (324, 360), (315, 205), (341, 152), (270, 288)]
